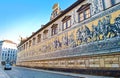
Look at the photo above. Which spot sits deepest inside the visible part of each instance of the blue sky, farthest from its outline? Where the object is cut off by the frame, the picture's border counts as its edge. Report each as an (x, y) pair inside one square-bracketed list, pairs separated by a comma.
[(22, 17)]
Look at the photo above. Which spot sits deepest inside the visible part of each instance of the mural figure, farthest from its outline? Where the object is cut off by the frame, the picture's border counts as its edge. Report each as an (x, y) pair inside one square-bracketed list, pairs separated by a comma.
[(117, 25), (83, 35), (88, 34), (57, 44), (95, 33), (44, 48), (110, 27), (65, 40), (71, 41), (49, 47), (103, 28), (79, 35)]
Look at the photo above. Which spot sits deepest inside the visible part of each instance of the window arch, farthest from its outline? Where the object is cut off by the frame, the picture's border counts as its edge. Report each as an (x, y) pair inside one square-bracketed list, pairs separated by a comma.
[(34, 41), (66, 22), (84, 12), (54, 29), (38, 38), (45, 34)]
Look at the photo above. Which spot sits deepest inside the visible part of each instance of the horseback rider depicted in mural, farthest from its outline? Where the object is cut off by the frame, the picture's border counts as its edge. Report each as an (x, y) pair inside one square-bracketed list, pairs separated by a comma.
[(111, 28), (65, 40), (71, 41), (105, 28), (117, 25), (83, 34), (57, 43), (95, 33), (79, 36), (88, 34)]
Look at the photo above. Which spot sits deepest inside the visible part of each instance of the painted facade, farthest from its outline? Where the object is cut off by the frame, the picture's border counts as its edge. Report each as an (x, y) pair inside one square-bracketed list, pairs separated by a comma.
[(81, 37)]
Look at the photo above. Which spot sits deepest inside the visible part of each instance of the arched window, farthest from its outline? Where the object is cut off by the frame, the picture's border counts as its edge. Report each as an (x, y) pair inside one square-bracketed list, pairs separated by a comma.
[(45, 34), (30, 43), (66, 22), (84, 12), (34, 39), (38, 38), (54, 29), (26, 45)]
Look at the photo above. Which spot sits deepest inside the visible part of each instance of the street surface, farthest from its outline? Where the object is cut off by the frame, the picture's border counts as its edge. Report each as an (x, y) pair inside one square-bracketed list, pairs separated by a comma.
[(22, 72)]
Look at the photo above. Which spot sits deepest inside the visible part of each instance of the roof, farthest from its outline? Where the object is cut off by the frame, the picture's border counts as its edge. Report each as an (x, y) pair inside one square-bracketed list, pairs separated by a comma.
[(9, 41), (51, 21)]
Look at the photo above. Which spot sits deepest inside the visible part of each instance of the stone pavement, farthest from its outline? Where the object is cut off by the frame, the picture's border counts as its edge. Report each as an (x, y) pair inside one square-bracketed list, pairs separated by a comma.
[(3, 74)]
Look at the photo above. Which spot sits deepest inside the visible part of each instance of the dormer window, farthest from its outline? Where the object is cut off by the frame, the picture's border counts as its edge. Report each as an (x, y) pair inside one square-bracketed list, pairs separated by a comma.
[(84, 12), (54, 29), (45, 34), (66, 22)]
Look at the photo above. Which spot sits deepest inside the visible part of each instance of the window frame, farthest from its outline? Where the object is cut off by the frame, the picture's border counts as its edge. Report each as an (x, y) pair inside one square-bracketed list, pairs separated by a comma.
[(38, 38), (34, 41), (65, 22), (82, 10), (45, 34), (54, 29)]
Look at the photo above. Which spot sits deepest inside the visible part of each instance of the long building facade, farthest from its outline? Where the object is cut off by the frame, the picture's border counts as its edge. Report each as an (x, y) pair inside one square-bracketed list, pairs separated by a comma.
[(8, 52), (86, 35)]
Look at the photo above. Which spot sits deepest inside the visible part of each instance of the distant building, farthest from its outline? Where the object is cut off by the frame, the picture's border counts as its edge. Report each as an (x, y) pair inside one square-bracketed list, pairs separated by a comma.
[(8, 52)]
